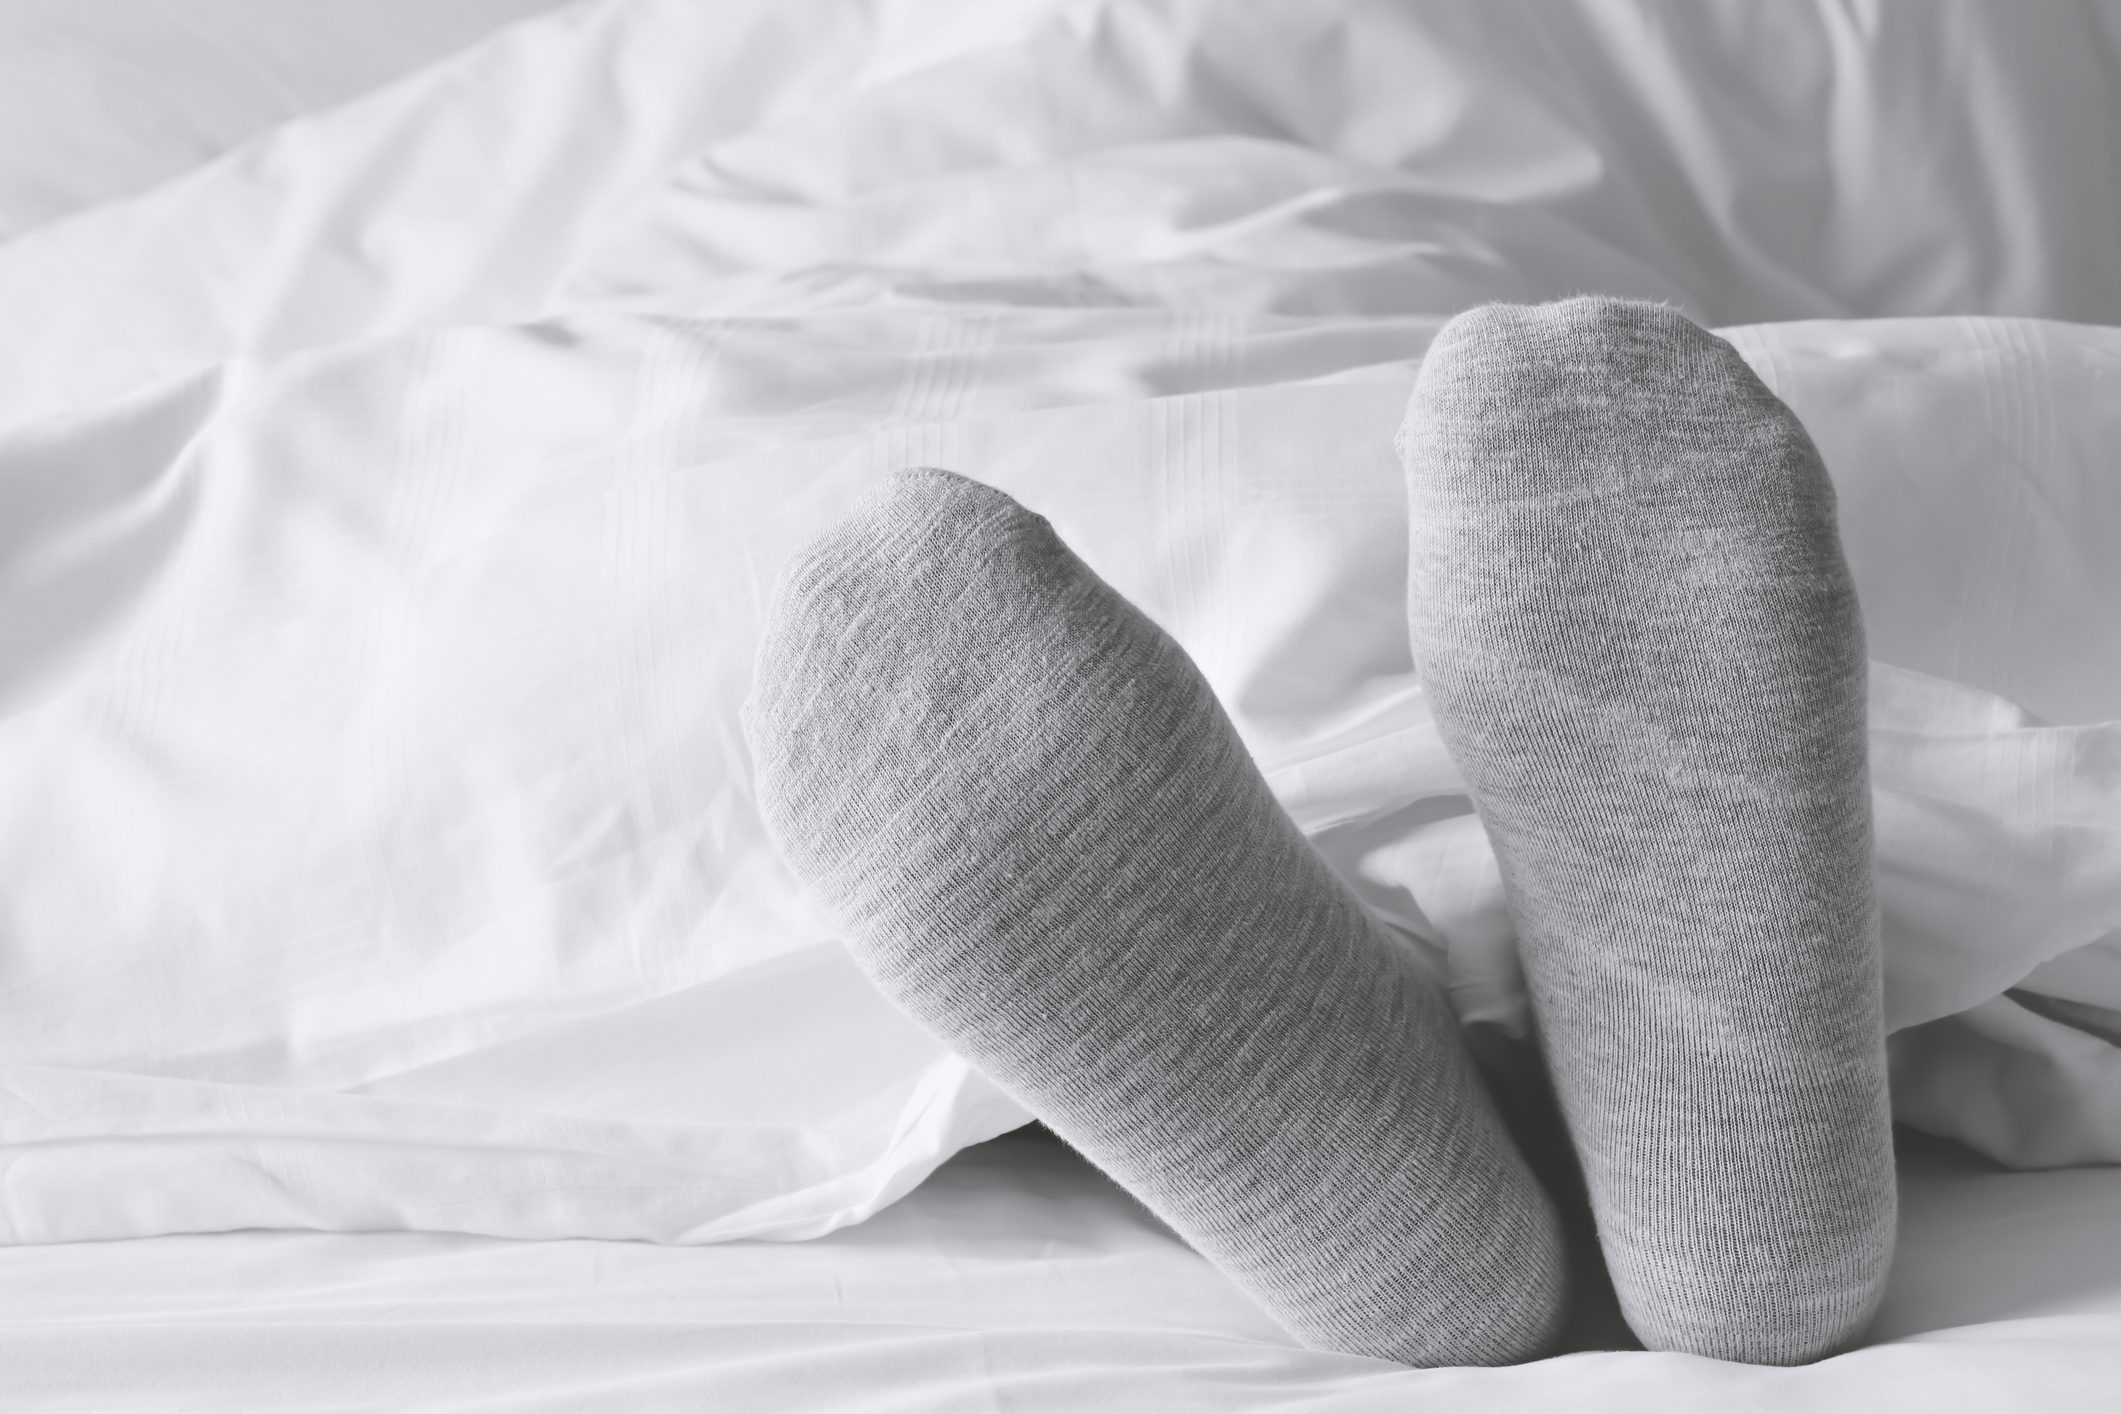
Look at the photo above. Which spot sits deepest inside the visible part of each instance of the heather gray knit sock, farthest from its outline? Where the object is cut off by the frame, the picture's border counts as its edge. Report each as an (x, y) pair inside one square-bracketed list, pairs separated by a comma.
[(1632, 618), (1044, 840)]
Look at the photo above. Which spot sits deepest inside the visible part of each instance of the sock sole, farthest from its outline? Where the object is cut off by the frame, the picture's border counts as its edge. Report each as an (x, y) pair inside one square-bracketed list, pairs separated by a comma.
[(1629, 608), (1044, 840)]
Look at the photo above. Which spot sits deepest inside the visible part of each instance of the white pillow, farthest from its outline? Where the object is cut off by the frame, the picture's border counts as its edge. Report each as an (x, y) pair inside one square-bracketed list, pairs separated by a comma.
[(380, 836)]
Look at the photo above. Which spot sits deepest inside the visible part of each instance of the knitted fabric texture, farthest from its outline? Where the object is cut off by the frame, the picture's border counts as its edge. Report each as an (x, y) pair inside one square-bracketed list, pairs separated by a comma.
[(1044, 840), (1631, 615)]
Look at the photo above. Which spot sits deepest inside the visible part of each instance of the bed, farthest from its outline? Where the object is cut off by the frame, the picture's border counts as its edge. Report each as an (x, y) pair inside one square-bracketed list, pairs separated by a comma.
[(400, 1005), (1016, 1278)]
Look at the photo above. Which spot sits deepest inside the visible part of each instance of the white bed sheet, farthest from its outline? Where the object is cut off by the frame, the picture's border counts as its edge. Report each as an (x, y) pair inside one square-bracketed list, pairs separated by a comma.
[(1017, 1279)]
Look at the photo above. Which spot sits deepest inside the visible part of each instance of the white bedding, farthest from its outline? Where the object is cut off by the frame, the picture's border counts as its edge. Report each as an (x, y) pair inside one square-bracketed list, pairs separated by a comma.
[(778, 156), (105, 100), (383, 828), (1016, 1279), (386, 506)]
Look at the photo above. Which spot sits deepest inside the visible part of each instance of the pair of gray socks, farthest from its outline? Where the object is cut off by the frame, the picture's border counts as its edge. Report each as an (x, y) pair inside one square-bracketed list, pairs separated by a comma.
[(1044, 840)]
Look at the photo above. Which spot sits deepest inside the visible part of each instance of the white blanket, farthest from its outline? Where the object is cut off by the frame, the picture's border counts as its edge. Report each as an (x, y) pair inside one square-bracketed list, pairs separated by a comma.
[(102, 101), (386, 509), (1811, 161)]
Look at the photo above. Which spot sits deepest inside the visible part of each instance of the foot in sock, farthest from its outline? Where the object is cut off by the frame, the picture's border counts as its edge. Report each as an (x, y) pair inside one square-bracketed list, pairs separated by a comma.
[(1044, 840), (1633, 621)]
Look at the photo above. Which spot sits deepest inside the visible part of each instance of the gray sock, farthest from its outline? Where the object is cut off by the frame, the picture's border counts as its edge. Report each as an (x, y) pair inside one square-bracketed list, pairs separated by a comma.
[(1631, 615), (1044, 840)]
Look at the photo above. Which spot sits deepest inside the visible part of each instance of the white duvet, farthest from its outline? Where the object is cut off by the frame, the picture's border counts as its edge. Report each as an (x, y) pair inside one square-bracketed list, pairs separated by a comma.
[(386, 510)]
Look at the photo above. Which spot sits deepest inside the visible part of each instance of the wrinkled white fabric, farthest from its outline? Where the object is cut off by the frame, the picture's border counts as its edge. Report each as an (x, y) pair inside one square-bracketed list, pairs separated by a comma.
[(386, 508), (1811, 160), (385, 854), (104, 100), (1017, 1279), (465, 194)]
